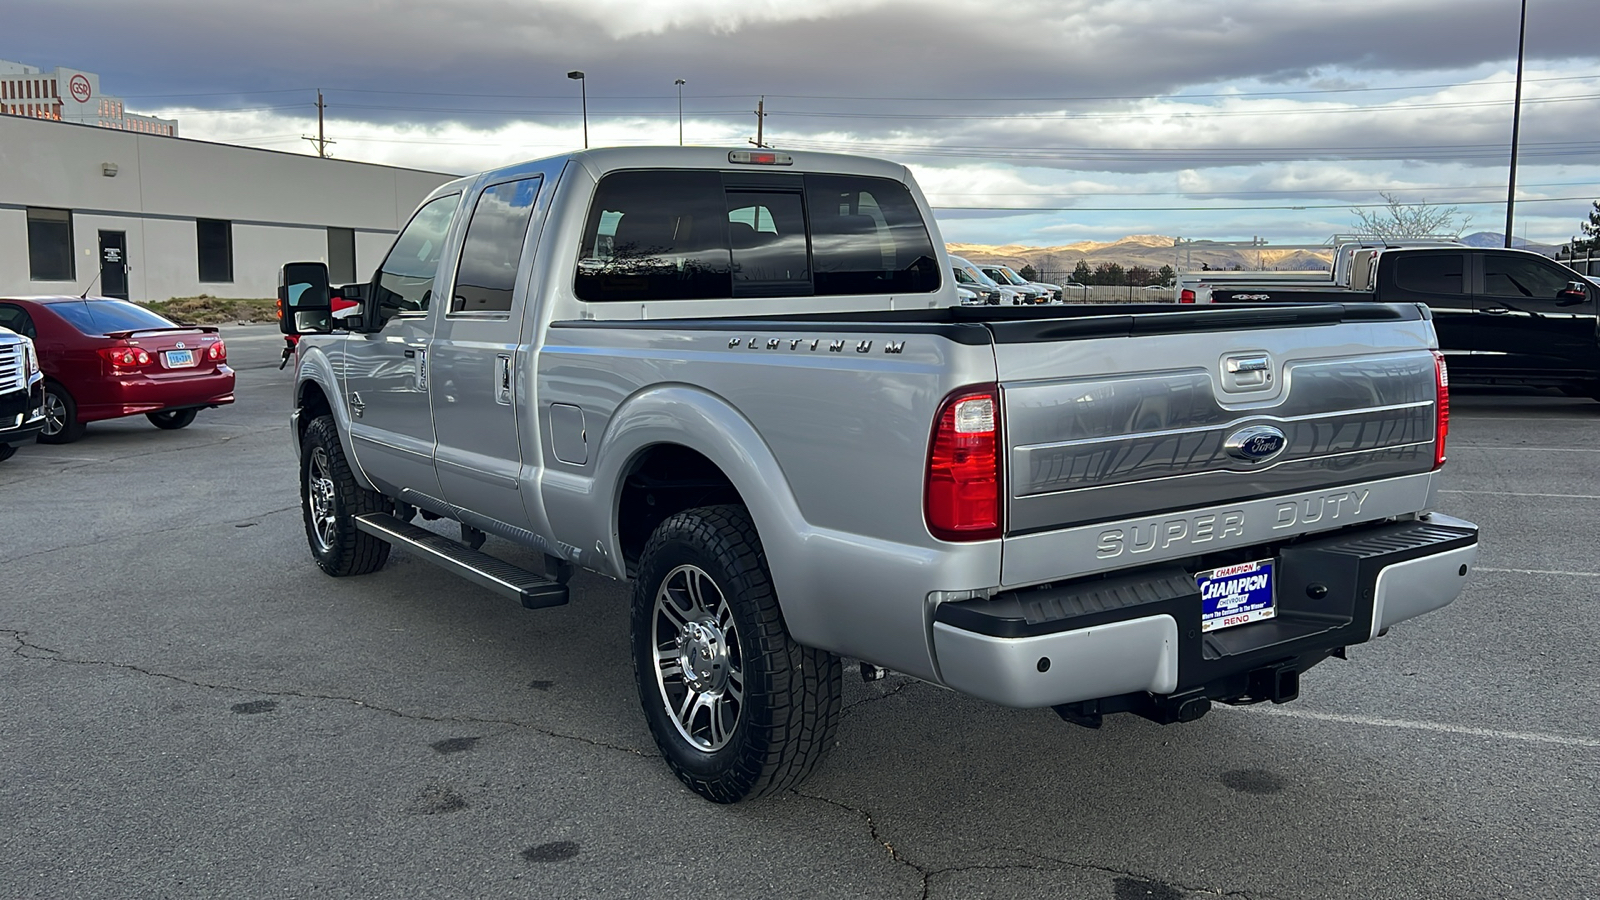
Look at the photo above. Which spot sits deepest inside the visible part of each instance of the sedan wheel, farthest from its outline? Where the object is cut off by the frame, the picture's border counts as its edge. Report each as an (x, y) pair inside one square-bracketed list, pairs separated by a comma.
[(61, 425)]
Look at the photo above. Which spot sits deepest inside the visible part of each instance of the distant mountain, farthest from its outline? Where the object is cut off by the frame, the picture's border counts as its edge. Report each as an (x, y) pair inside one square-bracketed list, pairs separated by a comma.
[(1149, 250), (1498, 239)]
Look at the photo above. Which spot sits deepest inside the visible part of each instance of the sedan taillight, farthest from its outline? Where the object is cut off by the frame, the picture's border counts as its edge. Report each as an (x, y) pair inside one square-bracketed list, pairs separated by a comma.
[(217, 352), (125, 358)]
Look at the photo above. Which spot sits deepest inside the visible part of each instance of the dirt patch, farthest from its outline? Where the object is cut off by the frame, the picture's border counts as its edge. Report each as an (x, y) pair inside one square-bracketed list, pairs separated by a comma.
[(208, 310)]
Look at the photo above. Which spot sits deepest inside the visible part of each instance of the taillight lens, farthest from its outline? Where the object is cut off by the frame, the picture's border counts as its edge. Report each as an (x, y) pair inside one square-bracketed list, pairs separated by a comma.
[(217, 352), (1441, 427), (125, 357), (963, 493), (1186, 296)]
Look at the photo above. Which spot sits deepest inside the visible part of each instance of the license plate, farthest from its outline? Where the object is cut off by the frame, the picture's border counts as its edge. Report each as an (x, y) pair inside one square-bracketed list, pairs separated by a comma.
[(1236, 595), (180, 359)]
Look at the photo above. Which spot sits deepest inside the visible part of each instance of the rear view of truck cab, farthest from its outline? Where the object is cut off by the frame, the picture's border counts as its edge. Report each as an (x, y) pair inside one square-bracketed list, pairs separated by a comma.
[(1203, 530)]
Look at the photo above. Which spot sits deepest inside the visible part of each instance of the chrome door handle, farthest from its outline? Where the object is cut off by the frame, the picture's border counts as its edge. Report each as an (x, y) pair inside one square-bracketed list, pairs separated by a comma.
[(502, 379), (1496, 310)]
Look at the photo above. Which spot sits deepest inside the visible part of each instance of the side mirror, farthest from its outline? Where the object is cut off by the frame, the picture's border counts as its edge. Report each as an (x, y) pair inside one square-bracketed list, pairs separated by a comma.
[(305, 301), (1573, 294)]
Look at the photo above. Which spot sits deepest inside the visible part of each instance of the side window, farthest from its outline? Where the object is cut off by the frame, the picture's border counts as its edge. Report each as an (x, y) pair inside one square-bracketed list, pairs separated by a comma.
[(1521, 276), (656, 235), (405, 280), (868, 237), (767, 234), (487, 275), (1430, 273), (18, 320)]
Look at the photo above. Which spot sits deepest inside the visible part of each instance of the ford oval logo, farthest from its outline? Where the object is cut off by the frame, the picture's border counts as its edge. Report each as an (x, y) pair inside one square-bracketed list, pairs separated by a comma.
[(1255, 444)]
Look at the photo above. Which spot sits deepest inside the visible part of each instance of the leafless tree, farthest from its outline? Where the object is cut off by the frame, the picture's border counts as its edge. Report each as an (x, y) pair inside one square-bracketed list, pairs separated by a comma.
[(1399, 219)]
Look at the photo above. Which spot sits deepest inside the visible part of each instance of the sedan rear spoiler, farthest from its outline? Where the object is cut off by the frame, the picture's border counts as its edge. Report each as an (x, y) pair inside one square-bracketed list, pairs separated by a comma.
[(204, 329)]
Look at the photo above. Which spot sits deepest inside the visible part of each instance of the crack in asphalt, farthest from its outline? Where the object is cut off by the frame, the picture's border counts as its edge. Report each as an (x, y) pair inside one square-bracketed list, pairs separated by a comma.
[(929, 874), (188, 526), (905, 682), (25, 649)]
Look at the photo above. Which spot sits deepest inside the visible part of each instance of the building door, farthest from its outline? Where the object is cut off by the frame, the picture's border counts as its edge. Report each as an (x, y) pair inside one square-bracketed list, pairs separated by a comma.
[(114, 264)]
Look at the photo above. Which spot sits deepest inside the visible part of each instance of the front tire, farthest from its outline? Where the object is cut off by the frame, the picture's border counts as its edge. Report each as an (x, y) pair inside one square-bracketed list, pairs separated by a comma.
[(330, 500), (738, 708), (61, 425), (6, 452), (171, 419)]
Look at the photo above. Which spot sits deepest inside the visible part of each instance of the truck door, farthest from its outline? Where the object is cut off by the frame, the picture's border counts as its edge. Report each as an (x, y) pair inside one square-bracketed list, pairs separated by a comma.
[(1438, 278), (1527, 330), (386, 371), (480, 364)]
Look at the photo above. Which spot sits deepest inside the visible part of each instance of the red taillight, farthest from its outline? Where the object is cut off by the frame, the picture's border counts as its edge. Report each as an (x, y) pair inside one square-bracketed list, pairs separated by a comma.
[(217, 352), (963, 493), (1186, 296), (125, 357), (1441, 427)]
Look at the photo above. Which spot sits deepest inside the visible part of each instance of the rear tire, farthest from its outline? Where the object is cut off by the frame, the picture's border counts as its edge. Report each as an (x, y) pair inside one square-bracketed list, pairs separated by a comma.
[(61, 425), (172, 419), (330, 500), (6, 452), (738, 708)]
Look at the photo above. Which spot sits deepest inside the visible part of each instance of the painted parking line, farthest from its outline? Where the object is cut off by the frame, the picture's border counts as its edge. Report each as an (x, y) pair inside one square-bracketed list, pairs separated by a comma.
[(1454, 447), (1515, 494), (1538, 572), (1531, 737)]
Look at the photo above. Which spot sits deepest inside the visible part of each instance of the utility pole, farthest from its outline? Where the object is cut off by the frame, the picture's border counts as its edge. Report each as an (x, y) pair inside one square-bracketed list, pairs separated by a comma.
[(321, 140), (761, 118), (1516, 123)]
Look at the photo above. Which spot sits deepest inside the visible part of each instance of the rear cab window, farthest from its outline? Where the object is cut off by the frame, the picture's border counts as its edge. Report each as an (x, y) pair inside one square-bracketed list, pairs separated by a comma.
[(690, 234)]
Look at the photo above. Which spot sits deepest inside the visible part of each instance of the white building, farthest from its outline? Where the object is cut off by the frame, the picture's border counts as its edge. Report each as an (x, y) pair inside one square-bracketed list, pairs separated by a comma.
[(146, 217), (70, 95)]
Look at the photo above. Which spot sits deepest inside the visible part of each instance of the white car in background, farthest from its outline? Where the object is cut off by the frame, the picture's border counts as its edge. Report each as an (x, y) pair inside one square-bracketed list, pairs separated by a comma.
[(972, 278), (1045, 293)]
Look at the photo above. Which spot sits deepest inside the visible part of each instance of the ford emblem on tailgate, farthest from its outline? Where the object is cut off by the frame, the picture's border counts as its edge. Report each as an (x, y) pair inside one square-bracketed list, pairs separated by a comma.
[(1258, 443)]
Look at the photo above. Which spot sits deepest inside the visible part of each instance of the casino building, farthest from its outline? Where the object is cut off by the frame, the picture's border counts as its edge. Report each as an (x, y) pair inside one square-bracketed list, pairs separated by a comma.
[(69, 95)]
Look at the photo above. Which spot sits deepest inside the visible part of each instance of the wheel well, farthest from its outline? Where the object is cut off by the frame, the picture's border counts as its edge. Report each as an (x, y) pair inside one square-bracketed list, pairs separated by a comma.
[(313, 403), (663, 480)]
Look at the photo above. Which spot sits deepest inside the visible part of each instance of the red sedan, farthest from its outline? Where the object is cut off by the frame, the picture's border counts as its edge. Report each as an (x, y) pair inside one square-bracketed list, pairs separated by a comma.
[(104, 359)]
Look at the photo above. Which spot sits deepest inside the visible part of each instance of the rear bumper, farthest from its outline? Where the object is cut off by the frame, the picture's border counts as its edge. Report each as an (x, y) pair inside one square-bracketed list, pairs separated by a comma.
[(132, 395), (1134, 642)]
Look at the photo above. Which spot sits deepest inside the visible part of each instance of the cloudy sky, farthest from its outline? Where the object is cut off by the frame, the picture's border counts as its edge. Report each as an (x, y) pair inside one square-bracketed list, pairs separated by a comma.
[(1030, 122)]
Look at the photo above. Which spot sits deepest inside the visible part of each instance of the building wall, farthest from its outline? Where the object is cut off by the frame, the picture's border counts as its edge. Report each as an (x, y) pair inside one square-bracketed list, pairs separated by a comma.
[(280, 204)]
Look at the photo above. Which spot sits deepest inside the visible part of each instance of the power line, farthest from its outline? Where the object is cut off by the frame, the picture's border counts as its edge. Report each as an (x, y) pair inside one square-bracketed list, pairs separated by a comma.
[(1297, 206)]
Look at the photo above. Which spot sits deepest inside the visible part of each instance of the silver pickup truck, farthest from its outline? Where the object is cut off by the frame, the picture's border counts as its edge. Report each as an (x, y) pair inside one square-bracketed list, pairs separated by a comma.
[(741, 380)]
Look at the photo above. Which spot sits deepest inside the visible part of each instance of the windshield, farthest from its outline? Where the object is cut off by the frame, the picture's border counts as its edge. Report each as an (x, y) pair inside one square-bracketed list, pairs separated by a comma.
[(979, 277), (103, 316), (1012, 277)]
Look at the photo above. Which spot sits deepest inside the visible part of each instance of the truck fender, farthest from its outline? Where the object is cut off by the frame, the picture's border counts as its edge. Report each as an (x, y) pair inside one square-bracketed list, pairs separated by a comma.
[(707, 424), (315, 368)]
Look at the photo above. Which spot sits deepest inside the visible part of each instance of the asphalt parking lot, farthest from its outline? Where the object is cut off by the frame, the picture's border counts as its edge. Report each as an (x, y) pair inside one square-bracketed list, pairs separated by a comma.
[(191, 709)]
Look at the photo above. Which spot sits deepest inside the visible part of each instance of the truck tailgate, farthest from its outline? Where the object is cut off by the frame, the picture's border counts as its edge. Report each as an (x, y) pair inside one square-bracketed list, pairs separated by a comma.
[(1130, 450)]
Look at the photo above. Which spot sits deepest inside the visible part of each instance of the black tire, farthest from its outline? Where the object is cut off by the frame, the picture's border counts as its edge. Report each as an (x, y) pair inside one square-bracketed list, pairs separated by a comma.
[(762, 709), (172, 419), (61, 425), (6, 452), (330, 500)]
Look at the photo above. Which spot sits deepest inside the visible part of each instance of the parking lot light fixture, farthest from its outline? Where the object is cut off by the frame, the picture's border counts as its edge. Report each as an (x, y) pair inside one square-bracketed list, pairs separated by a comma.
[(680, 83), (583, 91)]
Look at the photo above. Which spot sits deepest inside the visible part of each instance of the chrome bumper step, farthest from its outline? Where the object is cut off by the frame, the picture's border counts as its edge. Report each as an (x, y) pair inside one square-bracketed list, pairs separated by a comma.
[(531, 590)]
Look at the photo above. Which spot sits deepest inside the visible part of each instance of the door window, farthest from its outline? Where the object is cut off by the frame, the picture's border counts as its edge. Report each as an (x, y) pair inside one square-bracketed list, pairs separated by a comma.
[(487, 275), (405, 280), (1523, 277), (1430, 273), (17, 319)]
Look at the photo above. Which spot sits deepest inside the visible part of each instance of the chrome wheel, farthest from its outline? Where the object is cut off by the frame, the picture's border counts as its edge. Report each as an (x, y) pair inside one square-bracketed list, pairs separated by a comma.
[(320, 495), (699, 671), (55, 414)]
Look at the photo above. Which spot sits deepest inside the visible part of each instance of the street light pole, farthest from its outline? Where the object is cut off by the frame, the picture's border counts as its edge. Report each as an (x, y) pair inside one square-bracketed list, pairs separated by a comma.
[(583, 89), (1516, 123), (680, 84)]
